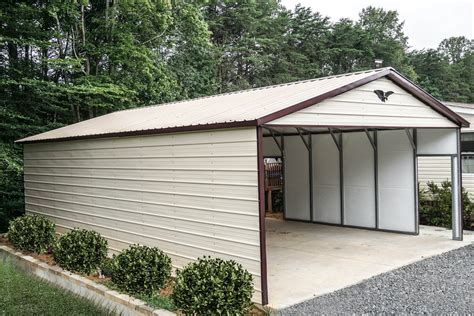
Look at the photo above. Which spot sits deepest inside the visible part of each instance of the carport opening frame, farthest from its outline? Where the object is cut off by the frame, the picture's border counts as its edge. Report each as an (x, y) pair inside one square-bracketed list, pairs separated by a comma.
[(336, 133)]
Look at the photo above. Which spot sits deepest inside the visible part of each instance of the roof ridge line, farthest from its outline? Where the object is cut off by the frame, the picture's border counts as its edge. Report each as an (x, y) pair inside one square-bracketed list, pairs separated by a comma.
[(257, 88)]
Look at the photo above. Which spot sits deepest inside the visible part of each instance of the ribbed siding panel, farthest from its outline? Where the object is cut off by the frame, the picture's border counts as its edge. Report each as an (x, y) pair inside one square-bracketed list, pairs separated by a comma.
[(438, 169), (190, 194), (468, 183), (362, 107)]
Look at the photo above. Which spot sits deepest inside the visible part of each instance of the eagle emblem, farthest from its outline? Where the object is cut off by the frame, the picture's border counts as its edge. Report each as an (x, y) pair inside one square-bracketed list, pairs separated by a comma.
[(383, 96)]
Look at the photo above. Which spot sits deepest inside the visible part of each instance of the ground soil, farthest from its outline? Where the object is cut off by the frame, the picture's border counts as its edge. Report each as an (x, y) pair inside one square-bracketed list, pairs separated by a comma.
[(276, 215)]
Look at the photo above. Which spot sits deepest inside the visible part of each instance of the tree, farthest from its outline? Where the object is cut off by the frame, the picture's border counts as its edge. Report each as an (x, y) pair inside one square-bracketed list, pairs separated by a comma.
[(348, 48), (443, 78), (455, 48), (245, 36), (386, 36), (300, 54), (66, 61)]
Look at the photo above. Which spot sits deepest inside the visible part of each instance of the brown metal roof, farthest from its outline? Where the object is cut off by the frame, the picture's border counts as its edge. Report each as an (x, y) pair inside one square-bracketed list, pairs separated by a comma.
[(243, 108)]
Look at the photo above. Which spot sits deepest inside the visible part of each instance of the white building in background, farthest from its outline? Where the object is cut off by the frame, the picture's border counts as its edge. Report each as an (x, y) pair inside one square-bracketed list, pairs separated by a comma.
[(438, 169)]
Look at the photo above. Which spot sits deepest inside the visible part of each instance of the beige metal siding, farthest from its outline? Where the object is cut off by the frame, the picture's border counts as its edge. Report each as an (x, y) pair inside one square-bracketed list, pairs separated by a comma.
[(468, 183), (190, 194), (362, 107), (438, 169)]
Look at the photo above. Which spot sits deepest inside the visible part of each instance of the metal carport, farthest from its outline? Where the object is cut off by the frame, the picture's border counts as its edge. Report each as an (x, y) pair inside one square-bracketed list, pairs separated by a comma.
[(188, 176)]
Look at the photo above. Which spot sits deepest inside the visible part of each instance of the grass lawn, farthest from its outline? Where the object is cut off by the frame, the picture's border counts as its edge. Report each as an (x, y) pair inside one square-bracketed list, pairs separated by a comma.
[(22, 294)]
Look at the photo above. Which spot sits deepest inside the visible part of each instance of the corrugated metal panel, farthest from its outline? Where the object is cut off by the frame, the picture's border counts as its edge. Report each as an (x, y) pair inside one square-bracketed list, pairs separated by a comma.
[(438, 169), (468, 183), (247, 105), (190, 194), (362, 107)]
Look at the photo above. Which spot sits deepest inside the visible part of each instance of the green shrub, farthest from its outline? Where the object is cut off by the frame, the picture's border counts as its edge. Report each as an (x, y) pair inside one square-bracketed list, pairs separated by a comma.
[(213, 286), (32, 233), (141, 270), (80, 250), (436, 205), (107, 267)]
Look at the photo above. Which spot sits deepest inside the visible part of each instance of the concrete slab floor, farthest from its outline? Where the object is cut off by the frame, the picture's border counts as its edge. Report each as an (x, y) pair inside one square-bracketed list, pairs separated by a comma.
[(307, 260)]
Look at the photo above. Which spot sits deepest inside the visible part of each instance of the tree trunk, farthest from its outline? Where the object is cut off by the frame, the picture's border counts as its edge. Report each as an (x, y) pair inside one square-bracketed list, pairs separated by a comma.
[(83, 33)]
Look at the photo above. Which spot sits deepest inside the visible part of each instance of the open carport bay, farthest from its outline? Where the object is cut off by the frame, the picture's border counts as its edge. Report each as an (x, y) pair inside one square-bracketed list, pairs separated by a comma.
[(307, 260)]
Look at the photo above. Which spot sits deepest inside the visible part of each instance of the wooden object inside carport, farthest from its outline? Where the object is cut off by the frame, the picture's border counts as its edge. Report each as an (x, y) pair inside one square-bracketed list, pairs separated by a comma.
[(273, 181)]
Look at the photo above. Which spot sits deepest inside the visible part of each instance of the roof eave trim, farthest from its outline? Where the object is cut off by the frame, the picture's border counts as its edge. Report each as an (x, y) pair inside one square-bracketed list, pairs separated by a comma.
[(191, 128), (391, 74), (427, 98)]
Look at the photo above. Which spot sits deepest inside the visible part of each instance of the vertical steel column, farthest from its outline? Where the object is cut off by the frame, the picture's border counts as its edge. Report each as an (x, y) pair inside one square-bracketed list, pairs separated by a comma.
[(376, 180), (415, 173), (283, 183), (456, 181), (341, 175), (261, 199), (310, 169), (311, 199)]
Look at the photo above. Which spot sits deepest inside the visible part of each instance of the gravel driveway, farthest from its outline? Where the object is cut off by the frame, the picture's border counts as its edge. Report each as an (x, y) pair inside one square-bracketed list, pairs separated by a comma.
[(438, 285)]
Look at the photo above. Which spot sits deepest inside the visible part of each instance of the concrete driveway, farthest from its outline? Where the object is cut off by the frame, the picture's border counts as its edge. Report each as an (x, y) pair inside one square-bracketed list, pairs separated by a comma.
[(307, 260)]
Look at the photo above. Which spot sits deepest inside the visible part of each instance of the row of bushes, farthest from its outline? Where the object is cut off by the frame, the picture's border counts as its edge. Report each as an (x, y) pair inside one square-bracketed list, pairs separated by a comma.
[(207, 286)]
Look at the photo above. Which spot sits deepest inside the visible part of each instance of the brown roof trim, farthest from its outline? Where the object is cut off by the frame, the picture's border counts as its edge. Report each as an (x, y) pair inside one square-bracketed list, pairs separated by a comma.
[(391, 74), (191, 128), (426, 98), (322, 97), (359, 127)]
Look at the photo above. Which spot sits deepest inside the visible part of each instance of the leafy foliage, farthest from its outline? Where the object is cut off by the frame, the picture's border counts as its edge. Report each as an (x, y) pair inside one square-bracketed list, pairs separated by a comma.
[(62, 62), (436, 205), (141, 270), (107, 267), (213, 287), (11, 184), (32, 233), (80, 250)]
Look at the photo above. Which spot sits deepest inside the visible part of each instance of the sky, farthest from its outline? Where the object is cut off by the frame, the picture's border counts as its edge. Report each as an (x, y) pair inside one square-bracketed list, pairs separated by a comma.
[(427, 22)]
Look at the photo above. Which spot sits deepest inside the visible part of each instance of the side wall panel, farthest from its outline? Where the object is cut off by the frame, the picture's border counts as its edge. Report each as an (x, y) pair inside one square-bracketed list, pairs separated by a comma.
[(190, 194), (326, 180), (359, 180), (436, 141), (296, 179), (396, 185), (270, 148)]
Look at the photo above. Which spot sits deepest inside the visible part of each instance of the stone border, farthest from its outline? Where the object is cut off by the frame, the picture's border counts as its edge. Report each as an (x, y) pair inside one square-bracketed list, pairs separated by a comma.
[(101, 295)]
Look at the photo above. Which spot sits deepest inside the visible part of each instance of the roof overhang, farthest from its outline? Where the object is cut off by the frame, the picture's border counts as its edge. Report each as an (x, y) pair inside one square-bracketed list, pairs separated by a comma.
[(170, 130), (388, 73)]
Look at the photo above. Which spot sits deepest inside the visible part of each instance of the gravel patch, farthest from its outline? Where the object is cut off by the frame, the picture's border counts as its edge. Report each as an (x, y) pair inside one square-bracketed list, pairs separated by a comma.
[(443, 284)]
